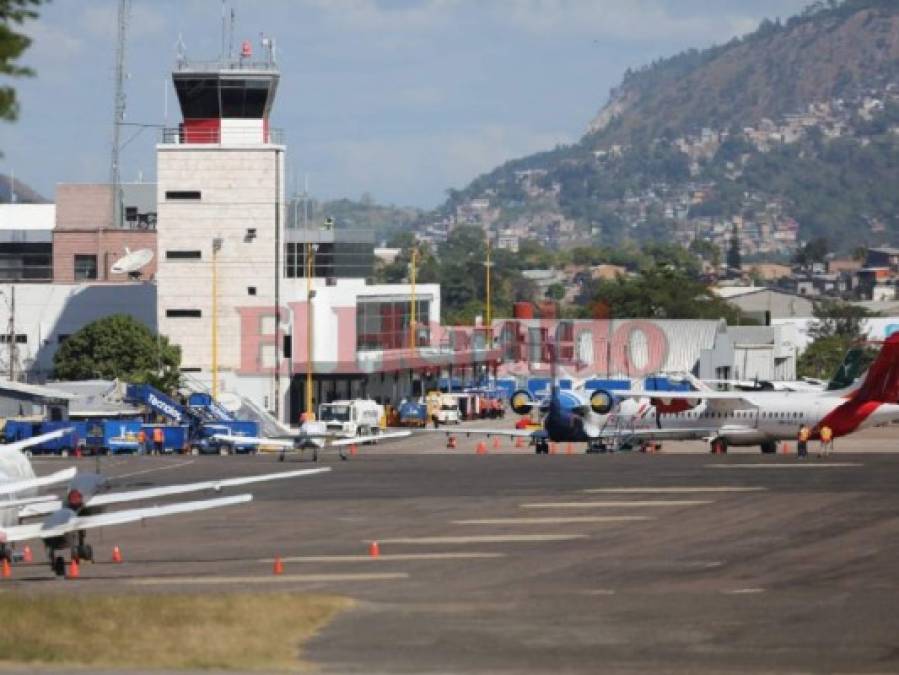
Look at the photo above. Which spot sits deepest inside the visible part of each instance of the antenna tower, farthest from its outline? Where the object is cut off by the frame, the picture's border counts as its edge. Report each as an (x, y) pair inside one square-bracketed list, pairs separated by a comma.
[(119, 116)]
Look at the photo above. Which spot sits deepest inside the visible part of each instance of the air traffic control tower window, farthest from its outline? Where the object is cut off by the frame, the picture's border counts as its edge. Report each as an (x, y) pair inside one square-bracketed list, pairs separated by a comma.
[(384, 324)]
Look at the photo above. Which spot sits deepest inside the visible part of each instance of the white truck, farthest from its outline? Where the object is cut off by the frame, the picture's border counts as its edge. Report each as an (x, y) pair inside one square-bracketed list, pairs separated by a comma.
[(359, 417), (448, 412)]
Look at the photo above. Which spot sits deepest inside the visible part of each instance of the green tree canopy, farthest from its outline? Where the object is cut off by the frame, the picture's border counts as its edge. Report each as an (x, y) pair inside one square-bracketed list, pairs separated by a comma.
[(661, 292), (119, 347), (838, 328), (12, 45)]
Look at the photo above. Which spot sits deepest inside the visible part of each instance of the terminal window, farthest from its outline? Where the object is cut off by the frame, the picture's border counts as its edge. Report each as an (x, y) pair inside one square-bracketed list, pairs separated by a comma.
[(183, 313), (85, 267), (182, 194), (182, 255), (384, 324)]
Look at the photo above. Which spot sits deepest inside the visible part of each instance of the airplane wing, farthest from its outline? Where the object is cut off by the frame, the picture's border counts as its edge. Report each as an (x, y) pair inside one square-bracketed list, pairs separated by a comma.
[(39, 481), (254, 440), (26, 443), (683, 395), (371, 437), (168, 490), (467, 431), (74, 523)]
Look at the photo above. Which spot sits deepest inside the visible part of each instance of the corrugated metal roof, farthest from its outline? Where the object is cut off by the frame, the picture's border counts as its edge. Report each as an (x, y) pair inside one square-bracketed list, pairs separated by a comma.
[(752, 335), (35, 391)]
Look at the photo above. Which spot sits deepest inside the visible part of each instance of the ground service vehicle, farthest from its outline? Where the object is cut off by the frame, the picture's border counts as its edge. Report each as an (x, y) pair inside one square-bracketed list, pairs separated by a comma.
[(359, 417)]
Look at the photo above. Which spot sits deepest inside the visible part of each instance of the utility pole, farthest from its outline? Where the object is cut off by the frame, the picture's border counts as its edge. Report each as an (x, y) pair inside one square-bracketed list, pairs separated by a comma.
[(12, 333), (310, 255), (216, 246), (412, 314), (488, 265), (115, 171)]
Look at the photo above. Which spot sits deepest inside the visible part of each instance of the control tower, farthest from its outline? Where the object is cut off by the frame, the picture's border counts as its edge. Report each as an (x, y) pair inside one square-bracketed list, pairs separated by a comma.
[(220, 194)]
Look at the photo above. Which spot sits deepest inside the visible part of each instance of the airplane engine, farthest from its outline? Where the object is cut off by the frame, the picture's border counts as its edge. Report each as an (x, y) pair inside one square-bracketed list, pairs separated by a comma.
[(521, 402), (603, 402)]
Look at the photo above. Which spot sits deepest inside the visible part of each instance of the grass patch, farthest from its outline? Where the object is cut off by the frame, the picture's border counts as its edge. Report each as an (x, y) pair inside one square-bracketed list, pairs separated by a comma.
[(164, 630)]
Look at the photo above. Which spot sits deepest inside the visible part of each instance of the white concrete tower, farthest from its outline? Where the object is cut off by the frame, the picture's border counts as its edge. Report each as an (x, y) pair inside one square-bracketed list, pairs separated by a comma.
[(221, 186)]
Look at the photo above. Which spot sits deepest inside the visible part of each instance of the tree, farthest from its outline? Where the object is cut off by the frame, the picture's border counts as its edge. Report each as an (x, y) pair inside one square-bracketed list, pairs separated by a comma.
[(838, 328), (734, 259), (119, 347), (815, 251), (12, 46), (555, 292)]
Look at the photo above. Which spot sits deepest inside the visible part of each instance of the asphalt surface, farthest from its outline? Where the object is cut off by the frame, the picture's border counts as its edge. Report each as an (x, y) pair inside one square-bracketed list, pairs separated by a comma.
[(505, 563)]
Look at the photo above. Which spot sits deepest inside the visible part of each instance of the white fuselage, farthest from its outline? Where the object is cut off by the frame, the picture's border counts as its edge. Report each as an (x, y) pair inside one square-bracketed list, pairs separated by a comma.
[(754, 418), (14, 466)]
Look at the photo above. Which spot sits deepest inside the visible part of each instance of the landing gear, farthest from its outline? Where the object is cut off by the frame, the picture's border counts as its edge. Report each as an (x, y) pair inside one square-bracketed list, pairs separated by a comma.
[(769, 447), (719, 445), (59, 566), (82, 550), (541, 447), (281, 456)]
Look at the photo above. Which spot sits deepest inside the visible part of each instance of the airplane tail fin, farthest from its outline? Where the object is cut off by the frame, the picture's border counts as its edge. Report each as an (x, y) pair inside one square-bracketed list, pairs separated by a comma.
[(853, 366), (882, 381)]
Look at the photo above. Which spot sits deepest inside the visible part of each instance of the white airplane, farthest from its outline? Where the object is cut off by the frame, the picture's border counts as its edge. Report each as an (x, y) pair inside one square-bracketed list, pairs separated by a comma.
[(620, 418), (66, 520), (313, 436)]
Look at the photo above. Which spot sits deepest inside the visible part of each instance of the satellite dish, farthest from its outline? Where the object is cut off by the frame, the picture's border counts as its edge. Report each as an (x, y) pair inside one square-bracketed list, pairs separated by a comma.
[(131, 263)]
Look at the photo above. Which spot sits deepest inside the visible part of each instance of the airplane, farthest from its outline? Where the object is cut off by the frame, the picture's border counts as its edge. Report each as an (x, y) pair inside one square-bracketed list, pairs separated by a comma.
[(83, 507), (616, 419), (313, 436)]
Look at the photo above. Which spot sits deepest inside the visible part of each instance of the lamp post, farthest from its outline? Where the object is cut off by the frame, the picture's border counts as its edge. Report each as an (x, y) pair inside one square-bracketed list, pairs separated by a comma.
[(412, 315), (487, 266), (310, 255), (216, 247)]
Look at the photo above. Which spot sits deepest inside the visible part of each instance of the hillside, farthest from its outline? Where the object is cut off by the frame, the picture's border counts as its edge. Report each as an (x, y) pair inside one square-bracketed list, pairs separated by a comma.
[(24, 193), (783, 135), (824, 54)]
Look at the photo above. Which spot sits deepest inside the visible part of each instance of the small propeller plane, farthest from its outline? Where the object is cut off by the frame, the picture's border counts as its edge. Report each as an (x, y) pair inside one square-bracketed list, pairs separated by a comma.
[(313, 436), (83, 507), (624, 418)]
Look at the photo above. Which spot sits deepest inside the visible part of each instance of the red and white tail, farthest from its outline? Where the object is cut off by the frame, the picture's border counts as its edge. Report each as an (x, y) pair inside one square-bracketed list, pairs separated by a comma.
[(881, 384)]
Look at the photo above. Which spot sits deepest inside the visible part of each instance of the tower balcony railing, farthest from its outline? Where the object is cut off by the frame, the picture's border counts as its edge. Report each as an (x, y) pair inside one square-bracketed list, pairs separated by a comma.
[(182, 135)]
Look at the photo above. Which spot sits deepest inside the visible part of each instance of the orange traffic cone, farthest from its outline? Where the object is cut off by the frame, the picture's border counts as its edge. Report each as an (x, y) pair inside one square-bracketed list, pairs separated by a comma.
[(116, 554), (785, 448), (27, 556), (353, 449), (553, 448), (279, 566), (519, 442), (451, 442), (374, 550), (569, 449), (481, 448), (74, 571), (496, 442), (7, 570)]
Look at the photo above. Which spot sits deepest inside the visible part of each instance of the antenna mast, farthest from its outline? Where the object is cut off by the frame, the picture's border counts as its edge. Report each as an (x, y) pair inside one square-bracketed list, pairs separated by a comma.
[(119, 117)]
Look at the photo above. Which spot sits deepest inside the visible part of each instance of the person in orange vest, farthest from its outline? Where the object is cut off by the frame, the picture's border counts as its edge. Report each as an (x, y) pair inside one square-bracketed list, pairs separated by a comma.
[(804, 434), (826, 441), (158, 440), (142, 442)]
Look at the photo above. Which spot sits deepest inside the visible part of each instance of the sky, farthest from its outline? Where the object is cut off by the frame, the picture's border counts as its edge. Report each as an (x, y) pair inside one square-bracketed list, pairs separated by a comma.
[(399, 99)]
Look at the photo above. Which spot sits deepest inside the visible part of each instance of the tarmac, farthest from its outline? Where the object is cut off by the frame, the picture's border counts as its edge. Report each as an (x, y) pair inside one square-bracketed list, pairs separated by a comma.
[(509, 562)]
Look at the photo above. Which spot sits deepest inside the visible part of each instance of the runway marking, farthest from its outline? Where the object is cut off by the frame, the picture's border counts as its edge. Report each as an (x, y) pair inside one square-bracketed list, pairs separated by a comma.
[(676, 490), (273, 579), (458, 555), (600, 591), (478, 539), (155, 468), (810, 465), (612, 505), (744, 591), (551, 521)]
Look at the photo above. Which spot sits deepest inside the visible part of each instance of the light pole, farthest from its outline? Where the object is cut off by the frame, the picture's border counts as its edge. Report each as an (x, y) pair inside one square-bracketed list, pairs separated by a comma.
[(412, 315), (216, 247), (310, 255)]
